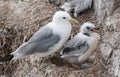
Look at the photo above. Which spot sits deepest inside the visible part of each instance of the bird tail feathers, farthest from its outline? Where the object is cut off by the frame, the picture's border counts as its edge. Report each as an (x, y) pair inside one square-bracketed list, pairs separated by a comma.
[(6, 58)]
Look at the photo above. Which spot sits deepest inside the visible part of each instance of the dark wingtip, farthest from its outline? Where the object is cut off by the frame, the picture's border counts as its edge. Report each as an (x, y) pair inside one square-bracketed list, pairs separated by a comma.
[(66, 50), (61, 9), (6, 58)]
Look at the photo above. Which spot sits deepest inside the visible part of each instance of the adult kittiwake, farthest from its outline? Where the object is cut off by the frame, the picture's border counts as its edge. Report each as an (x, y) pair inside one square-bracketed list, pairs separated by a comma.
[(47, 40), (82, 45)]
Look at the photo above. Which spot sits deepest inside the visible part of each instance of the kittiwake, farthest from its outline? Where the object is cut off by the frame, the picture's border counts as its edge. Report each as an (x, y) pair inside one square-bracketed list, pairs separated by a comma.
[(82, 45), (47, 40)]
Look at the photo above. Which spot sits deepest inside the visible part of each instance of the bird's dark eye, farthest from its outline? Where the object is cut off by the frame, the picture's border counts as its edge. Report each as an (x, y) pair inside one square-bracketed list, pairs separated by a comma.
[(64, 17), (88, 27)]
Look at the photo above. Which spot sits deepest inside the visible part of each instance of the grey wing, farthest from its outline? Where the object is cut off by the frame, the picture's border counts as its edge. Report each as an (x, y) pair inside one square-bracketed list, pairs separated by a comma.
[(40, 42), (75, 41), (75, 47)]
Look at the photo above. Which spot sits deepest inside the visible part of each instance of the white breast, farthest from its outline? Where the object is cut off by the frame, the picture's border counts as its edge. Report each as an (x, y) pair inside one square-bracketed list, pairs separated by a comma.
[(93, 42), (64, 31)]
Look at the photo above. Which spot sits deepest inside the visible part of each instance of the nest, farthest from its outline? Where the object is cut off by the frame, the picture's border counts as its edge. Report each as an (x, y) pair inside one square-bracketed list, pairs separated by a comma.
[(18, 22)]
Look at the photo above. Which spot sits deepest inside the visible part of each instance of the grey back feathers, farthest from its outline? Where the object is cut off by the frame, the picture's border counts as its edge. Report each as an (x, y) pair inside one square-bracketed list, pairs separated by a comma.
[(76, 46), (40, 42), (45, 40), (76, 51)]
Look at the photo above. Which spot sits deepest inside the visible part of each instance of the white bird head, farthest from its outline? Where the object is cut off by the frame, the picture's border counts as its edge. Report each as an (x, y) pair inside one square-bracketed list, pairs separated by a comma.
[(87, 27), (62, 16)]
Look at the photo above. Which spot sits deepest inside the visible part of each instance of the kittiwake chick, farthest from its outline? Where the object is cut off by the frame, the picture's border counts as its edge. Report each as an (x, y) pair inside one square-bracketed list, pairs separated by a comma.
[(82, 45)]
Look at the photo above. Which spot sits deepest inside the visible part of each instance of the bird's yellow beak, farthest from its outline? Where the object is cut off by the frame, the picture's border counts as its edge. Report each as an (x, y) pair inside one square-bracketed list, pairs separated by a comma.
[(73, 21)]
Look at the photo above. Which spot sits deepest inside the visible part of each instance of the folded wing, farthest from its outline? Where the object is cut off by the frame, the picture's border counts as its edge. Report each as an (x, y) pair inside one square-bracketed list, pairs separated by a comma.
[(76, 46), (40, 42)]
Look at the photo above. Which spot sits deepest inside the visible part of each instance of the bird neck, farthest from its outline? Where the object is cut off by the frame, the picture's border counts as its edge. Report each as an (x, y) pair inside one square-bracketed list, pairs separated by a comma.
[(88, 33), (92, 34)]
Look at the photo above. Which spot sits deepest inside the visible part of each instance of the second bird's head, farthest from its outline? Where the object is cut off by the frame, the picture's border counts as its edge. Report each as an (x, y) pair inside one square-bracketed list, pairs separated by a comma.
[(62, 16), (88, 28)]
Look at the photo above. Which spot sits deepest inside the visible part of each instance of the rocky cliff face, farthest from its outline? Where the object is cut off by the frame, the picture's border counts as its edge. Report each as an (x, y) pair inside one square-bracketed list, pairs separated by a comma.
[(107, 13), (19, 19)]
